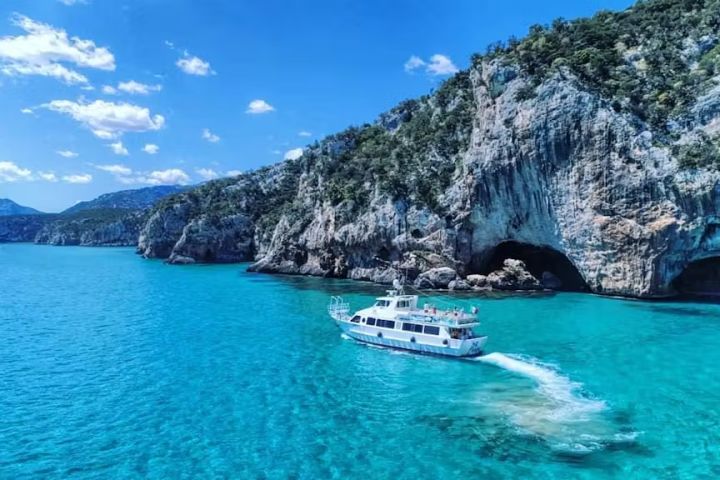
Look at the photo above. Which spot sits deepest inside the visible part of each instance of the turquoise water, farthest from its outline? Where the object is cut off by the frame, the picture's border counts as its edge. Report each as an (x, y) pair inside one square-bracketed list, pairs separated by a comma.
[(116, 367)]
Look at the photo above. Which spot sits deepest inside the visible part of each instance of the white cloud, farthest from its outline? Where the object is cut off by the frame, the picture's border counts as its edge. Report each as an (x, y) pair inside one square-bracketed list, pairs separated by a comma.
[(151, 149), (70, 3), (26, 111), (131, 87), (67, 153), (259, 106), (10, 172), (209, 136), (44, 49), (78, 178), (48, 176), (438, 65), (193, 65), (115, 169), (413, 63), (293, 154), (304, 133), (207, 173), (170, 176), (441, 65), (233, 173), (108, 120), (136, 88), (118, 148)]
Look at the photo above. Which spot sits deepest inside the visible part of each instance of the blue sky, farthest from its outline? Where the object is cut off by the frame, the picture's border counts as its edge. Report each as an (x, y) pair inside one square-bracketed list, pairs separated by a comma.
[(99, 95)]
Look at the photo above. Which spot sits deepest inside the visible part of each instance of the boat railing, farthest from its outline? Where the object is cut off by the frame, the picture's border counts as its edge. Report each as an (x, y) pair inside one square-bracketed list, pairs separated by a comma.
[(444, 317), (338, 308)]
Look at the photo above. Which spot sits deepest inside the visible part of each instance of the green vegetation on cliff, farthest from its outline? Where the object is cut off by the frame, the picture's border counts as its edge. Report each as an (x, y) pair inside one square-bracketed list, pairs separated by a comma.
[(653, 59), (656, 65)]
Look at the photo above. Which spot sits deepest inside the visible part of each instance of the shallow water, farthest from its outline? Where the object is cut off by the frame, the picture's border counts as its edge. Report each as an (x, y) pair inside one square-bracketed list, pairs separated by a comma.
[(116, 367)]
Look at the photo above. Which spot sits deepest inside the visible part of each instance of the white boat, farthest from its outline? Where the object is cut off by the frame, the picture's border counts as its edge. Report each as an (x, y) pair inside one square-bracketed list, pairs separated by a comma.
[(396, 321)]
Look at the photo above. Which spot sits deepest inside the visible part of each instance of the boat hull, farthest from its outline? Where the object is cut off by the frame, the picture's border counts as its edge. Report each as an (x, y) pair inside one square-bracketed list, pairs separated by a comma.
[(455, 348)]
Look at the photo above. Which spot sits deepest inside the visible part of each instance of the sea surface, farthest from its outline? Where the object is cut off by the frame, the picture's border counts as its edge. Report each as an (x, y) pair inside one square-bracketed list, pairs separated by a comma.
[(112, 366)]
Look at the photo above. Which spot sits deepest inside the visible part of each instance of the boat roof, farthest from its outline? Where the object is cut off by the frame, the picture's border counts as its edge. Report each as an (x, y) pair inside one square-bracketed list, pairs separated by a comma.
[(442, 318)]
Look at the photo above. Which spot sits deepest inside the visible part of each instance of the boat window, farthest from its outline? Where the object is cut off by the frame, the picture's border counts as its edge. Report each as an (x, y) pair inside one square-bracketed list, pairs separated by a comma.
[(412, 327), (430, 330), (355, 319), (370, 321), (382, 303), (403, 304), (385, 323)]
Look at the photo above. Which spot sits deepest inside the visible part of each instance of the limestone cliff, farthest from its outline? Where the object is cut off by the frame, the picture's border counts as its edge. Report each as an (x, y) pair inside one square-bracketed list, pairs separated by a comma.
[(107, 227), (588, 165)]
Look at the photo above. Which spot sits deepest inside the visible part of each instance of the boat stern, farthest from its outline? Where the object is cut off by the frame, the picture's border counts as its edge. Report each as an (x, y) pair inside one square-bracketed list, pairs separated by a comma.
[(473, 347)]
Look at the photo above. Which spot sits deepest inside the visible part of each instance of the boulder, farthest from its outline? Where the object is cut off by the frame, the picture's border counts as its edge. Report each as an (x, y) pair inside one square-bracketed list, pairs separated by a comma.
[(436, 278), (476, 280), (458, 285), (513, 276)]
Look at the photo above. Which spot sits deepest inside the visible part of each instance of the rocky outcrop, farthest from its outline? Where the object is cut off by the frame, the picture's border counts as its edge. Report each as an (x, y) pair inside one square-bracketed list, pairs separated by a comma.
[(513, 276), (224, 240), (495, 155), (163, 229)]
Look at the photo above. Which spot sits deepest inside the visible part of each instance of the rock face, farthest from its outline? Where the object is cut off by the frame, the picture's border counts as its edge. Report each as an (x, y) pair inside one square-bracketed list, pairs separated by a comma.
[(93, 228), (495, 155), (224, 240)]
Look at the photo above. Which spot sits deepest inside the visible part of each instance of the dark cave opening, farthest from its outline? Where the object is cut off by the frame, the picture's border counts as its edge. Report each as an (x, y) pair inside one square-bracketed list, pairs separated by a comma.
[(700, 278), (537, 259)]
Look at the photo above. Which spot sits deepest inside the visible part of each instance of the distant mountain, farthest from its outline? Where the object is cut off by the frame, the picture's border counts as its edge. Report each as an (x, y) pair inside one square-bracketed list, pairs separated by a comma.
[(8, 207), (112, 219), (137, 199)]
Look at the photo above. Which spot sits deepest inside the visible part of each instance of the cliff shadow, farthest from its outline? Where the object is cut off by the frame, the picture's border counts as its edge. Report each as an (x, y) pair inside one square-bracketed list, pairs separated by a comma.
[(538, 260), (700, 278)]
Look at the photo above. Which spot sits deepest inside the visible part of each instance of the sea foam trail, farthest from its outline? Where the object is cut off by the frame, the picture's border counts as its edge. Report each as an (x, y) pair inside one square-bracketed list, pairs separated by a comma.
[(560, 414), (551, 383)]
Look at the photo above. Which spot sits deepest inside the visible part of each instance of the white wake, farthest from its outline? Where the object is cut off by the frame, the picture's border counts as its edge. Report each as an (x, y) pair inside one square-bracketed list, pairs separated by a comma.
[(561, 414)]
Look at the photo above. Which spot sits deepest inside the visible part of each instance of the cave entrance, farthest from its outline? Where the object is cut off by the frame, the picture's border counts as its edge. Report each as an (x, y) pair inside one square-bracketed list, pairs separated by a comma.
[(700, 278), (537, 259)]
